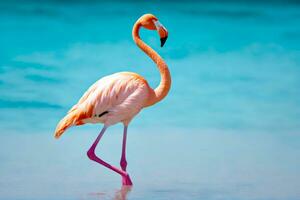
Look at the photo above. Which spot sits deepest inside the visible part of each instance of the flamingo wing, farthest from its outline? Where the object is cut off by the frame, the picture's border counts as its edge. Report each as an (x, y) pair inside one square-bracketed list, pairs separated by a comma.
[(112, 99)]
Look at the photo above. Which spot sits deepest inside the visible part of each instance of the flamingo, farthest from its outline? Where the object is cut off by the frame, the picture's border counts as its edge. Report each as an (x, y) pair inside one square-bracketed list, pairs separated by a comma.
[(120, 97)]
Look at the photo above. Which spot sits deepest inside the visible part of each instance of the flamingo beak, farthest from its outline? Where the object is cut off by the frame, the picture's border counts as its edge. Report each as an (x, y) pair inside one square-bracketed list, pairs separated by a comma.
[(162, 31), (163, 41)]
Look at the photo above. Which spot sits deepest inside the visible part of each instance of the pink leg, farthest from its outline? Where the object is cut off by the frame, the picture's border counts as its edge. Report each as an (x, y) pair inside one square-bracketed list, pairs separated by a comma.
[(91, 154), (123, 162)]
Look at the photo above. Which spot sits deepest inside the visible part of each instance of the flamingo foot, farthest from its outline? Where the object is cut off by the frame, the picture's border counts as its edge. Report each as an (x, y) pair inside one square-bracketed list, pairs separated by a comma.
[(126, 180)]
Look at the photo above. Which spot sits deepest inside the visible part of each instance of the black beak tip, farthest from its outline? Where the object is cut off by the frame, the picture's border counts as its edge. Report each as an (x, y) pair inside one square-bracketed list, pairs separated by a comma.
[(163, 41)]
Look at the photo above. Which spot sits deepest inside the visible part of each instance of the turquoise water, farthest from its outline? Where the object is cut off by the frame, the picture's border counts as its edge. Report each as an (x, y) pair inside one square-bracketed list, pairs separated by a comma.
[(229, 128)]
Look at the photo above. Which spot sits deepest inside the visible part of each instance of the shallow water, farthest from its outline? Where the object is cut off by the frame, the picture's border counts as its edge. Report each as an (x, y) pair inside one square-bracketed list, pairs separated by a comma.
[(229, 128)]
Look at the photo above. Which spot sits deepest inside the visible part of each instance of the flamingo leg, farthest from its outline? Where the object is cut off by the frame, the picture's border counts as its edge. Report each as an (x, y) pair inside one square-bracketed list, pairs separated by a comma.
[(91, 154), (125, 180), (123, 161)]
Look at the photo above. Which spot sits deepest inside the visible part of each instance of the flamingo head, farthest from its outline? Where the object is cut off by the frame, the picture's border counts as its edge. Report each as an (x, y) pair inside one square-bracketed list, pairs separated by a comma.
[(151, 22)]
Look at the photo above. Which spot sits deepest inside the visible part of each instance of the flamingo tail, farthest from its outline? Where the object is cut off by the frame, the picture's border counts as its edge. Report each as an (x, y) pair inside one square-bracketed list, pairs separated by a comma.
[(72, 118)]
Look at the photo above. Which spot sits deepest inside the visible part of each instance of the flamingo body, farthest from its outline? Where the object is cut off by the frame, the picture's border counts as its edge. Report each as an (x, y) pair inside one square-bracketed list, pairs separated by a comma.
[(120, 96)]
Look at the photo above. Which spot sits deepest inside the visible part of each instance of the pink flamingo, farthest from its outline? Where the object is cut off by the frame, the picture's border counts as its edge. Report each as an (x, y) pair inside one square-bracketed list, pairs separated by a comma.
[(120, 96)]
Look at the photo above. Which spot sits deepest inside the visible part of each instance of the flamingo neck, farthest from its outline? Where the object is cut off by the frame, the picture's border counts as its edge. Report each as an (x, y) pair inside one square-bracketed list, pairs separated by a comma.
[(163, 88)]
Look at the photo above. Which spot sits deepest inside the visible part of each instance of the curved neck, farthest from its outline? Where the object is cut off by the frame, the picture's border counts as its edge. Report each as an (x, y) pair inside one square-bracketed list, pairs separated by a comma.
[(165, 83)]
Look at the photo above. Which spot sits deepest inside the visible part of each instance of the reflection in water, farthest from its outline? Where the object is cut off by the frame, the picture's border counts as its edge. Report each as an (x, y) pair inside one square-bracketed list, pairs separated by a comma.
[(122, 193)]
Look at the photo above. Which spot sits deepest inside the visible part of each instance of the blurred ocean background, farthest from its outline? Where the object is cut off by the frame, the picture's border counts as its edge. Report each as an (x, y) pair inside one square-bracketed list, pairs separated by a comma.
[(228, 130)]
